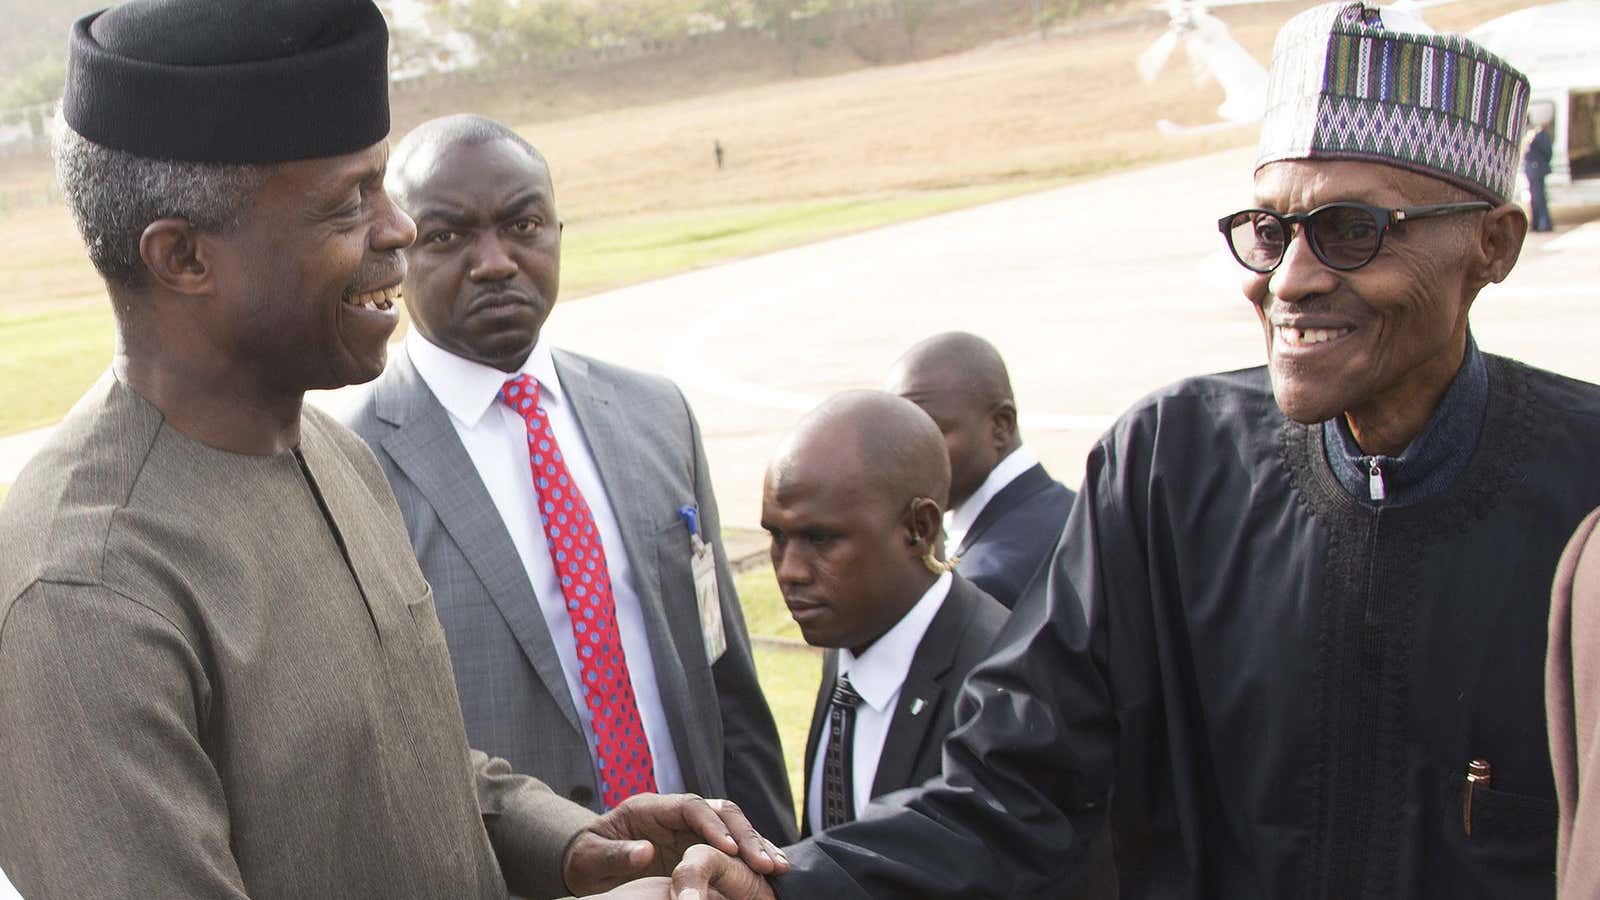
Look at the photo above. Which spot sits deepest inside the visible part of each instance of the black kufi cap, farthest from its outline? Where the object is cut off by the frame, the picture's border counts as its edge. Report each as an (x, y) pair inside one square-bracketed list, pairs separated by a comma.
[(231, 81)]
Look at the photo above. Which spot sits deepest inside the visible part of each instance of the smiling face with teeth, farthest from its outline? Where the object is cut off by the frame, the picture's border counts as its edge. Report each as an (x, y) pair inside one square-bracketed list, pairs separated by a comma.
[(486, 267), (309, 277), (1379, 344)]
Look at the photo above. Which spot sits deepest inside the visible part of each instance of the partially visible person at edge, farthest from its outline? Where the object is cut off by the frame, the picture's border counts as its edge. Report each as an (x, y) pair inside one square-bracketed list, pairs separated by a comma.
[(534, 483), (1572, 698), (221, 674), (1006, 512), (1292, 641)]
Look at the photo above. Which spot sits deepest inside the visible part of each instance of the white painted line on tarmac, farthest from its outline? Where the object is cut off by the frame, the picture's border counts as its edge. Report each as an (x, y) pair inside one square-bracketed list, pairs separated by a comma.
[(691, 363)]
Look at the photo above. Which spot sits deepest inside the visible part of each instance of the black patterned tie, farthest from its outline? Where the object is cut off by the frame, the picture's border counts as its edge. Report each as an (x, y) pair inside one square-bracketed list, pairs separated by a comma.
[(838, 783)]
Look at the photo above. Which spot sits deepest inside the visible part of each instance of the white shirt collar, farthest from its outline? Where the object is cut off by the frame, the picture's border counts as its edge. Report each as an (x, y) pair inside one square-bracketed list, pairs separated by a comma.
[(878, 673), (469, 389), (1004, 472)]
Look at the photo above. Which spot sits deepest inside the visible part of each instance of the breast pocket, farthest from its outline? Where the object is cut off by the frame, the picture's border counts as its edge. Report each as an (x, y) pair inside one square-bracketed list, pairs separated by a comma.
[(422, 659), (1510, 831), (425, 619), (675, 581), (421, 676)]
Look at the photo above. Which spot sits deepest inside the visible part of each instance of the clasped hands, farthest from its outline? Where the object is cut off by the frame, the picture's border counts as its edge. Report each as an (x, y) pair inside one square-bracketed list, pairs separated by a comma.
[(655, 846)]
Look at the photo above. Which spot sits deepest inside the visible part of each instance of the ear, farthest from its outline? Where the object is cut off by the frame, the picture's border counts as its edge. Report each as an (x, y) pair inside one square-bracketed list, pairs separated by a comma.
[(924, 525), (1003, 424), (175, 256), (1500, 243)]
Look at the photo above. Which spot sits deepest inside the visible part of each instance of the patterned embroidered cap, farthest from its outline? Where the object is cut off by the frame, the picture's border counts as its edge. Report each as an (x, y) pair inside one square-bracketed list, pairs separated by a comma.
[(1345, 86)]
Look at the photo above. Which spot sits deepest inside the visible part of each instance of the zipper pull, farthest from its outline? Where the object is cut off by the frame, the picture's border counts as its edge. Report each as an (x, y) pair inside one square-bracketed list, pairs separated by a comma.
[(1374, 479), (1477, 775)]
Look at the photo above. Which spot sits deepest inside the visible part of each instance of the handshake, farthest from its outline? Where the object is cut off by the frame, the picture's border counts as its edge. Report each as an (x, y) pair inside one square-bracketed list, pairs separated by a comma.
[(654, 847)]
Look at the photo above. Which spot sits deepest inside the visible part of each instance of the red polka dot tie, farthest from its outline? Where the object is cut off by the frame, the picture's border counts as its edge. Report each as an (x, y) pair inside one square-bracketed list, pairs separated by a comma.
[(622, 755)]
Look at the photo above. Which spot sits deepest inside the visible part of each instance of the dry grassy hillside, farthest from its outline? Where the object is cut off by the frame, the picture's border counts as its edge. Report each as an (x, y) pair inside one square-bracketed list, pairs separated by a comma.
[(1022, 109)]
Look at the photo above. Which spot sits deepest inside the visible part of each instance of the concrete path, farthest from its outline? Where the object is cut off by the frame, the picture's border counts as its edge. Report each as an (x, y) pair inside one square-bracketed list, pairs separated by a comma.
[(1097, 293)]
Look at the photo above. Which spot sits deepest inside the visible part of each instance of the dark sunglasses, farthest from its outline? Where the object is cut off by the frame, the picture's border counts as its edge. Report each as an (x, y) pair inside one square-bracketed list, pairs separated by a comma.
[(1344, 235)]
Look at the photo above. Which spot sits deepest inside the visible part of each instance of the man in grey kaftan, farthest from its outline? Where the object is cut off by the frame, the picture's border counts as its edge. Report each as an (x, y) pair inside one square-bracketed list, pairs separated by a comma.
[(221, 672), (277, 683)]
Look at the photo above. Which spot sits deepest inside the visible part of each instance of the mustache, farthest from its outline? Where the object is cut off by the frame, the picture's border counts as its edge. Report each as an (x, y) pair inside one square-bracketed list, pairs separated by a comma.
[(798, 599), (378, 271)]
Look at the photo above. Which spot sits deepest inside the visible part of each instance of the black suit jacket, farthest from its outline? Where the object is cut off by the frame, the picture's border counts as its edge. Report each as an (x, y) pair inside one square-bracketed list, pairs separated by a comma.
[(1013, 536), (957, 638)]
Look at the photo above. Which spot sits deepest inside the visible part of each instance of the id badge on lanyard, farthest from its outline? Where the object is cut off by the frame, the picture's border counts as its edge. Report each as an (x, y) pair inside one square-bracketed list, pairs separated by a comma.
[(703, 563)]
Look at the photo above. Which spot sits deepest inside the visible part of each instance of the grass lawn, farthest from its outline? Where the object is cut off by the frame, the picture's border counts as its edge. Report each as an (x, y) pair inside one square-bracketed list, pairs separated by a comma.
[(789, 675), (614, 252), (47, 361), (789, 678)]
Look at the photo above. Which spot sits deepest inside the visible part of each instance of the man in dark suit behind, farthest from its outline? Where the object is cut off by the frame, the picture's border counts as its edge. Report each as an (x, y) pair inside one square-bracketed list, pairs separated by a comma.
[(560, 507), (1536, 166), (852, 502), (1006, 512)]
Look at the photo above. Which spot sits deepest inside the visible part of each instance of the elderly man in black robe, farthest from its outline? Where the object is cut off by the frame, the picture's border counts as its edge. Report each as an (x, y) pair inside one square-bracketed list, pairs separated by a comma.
[(1291, 642)]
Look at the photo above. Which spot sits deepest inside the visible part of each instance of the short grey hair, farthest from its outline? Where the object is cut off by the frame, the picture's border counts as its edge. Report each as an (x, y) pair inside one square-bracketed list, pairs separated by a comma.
[(114, 195)]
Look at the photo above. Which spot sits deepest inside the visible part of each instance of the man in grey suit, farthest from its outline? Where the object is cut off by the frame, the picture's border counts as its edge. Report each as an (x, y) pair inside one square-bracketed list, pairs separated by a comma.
[(852, 502), (560, 507)]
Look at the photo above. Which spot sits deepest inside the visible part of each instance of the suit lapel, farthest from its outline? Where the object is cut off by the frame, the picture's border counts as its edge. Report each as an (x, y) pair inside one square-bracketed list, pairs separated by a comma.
[(611, 443), (917, 711), (1031, 481), (612, 440), (425, 446)]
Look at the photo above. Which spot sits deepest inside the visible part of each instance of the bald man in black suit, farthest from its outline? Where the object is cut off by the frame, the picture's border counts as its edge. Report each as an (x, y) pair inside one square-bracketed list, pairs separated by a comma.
[(1006, 512)]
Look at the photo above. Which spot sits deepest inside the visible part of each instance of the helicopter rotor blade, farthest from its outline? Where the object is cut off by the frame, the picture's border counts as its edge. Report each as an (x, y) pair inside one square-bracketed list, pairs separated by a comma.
[(1155, 57)]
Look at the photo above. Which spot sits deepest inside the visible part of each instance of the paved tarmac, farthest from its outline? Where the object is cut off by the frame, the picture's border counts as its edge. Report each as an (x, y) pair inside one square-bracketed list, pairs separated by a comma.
[(1096, 293)]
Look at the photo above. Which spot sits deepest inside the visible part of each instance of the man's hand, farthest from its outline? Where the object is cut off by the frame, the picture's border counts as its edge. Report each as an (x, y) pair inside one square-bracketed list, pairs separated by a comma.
[(647, 834), (706, 874), (643, 889)]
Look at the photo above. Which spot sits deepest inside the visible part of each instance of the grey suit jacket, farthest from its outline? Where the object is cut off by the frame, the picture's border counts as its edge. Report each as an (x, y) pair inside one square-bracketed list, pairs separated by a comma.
[(956, 640), (514, 697)]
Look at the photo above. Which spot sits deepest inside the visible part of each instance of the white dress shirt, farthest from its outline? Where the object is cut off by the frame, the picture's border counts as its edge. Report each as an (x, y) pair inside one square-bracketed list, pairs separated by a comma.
[(497, 440), (958, 521), (877, 676)]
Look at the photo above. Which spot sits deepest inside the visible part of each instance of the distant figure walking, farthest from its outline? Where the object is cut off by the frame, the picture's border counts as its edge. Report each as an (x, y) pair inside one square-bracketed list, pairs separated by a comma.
[(1536, 165), (716, 147)]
